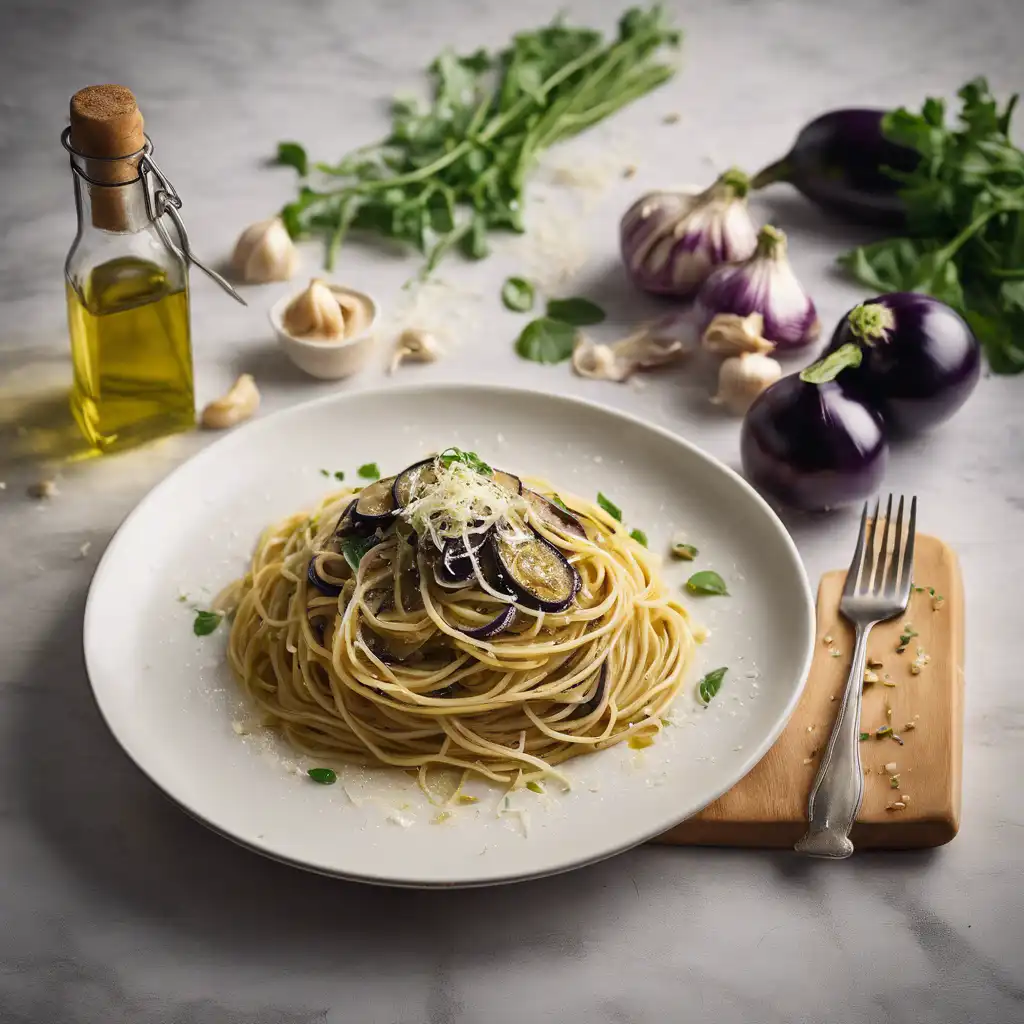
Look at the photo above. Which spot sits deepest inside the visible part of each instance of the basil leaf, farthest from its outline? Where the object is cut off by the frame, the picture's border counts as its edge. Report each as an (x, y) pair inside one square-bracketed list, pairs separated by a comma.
[(684, 552), (470, 459), (325, 776), (546, 341), (517, 294), (355, 548), (710, 685), (291, 154), (706, 582), (639, 536), (339, 474), (206, 622), (369, 471), (609, 506), (578, 312)]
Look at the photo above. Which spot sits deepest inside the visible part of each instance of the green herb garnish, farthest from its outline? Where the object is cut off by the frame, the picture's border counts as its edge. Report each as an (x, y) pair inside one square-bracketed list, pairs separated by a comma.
[(578, 312), (355, 548), (639, 536), (206, 622), (325, 776), (535, 787), (883, 730), (906, 636), (865, 736), (325, 472), (339, 474), (685, 552), (451, 172), (707, 582), (965, 220), (517, 294), (558, 501), (369, 471), (470, 459), (710, 685), (546, 341), (609, 506), (291, 154)]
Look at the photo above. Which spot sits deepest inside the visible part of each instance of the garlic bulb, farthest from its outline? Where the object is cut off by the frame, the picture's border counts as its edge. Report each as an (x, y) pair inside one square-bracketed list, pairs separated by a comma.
[(731, 335), (671, 241), (414, 347), (241, 402), (651, 345), (742, 378), (763, 284), (265, 252), (314, 312)]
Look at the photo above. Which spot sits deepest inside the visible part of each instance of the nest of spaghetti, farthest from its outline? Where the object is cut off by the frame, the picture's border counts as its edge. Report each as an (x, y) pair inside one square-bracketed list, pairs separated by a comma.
[(453, 616)]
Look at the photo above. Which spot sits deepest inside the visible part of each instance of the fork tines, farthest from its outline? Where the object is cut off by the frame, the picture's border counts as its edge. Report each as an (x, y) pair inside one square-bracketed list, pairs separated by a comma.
[(881, 567)]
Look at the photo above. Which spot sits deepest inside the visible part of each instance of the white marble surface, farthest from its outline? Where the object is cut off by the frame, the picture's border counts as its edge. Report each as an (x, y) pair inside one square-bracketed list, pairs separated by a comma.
[(114, 906)]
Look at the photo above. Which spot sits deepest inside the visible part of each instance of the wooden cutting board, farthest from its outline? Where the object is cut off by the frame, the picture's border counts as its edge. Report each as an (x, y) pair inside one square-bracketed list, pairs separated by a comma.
[(768, 808)]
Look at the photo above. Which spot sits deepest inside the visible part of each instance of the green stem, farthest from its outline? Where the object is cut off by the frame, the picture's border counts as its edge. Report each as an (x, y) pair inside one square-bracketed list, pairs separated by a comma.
[(828, 369), (870, 322), (781, 170)]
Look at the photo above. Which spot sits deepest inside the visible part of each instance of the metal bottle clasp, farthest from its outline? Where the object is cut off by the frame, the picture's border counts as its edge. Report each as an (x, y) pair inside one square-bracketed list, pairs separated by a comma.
[(161, 198)]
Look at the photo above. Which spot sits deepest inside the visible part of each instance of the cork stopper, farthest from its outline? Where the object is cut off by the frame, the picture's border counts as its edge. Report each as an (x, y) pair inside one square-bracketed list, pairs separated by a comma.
[(106, 123)]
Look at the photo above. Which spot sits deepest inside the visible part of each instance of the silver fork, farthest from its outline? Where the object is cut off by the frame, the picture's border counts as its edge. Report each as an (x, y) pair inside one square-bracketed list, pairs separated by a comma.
[(877, 588)]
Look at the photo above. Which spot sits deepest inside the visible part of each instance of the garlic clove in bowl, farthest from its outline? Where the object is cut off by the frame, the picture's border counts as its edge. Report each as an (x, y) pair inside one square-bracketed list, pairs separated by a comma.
[(326, 329)]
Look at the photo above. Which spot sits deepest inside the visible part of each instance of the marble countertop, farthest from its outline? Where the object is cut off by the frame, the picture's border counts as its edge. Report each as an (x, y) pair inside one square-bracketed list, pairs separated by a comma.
[(115, 906)]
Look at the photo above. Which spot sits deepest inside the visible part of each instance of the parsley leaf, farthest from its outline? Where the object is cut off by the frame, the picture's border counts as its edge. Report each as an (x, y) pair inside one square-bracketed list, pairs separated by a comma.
[(291, 154), (639, 536), (339, 474), (707, 582), (355, 548), (517, 295), (710, 685), (470, 459), (546, 341), (578, 312), (609, 506), (964, 205), (325, 776), (369, 471), (206, 622)]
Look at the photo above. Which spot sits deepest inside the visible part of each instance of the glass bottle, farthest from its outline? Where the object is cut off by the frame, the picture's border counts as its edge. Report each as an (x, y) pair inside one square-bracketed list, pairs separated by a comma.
[(126, 281)]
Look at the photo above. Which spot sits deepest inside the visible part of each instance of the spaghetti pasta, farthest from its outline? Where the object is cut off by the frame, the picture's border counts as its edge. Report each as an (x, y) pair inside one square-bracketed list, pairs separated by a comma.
[(451, 616)]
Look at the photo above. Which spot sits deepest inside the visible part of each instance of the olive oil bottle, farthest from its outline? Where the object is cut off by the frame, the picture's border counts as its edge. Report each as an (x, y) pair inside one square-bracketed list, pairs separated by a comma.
[(127, 284)]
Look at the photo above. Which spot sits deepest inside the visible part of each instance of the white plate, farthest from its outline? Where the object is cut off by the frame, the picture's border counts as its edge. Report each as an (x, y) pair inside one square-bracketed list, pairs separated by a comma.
[(172, 704)]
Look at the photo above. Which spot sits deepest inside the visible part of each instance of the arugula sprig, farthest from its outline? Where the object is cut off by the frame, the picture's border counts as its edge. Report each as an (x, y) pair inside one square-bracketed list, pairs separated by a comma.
[(965, 220), (451, 172)]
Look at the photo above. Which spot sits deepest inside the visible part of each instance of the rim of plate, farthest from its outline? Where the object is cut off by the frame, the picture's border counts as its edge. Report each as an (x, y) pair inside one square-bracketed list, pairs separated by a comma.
[(426, 387)]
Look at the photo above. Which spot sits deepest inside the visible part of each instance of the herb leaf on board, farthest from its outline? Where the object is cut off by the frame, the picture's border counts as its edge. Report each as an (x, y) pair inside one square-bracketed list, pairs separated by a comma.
[(710, 685), (546, 341), (578, 312), (517, 294), (206, 622)]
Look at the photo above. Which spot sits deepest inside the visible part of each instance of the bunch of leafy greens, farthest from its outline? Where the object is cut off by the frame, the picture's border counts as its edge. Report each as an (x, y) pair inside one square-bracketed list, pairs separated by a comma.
[(452, 172), (965, 221)]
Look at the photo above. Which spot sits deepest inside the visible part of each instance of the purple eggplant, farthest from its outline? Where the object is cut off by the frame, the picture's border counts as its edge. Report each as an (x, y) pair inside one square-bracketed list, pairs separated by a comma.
[(454, 564), (322, 577), (375, 505), (812, 446), (909, 356), (839, 162), (534, 571), (497, 625), (407, 482), (346, 521), (547, 512), (509, 481)]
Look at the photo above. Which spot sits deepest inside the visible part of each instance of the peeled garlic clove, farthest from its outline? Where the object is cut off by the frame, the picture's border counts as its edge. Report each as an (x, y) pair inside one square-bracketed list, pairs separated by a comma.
[(598, 362), (415, 346), (355, 311), (732, 335), (237, 405), (265, 252), (652, 345), (742, 378), (315, 311)]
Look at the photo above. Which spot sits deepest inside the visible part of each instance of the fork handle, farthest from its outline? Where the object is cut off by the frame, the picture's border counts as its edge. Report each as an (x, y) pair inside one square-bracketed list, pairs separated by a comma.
[(839, 785)]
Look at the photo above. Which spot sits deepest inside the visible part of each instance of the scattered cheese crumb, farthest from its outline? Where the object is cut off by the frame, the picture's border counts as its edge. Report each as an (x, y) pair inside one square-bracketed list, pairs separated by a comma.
[(84, 549), (908, 726), (670, 119), (905, 797), (629, 170), (3, 485), (896, 805), (810, 728), (808, 760), (891, 767), (835, 653), (870, 677), (43, 489), (919, 662), (239, 728)]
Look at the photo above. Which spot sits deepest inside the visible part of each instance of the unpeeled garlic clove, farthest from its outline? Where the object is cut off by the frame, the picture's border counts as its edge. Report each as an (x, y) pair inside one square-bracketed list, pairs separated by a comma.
[(742, 378), (415, 346), (265, 252), (315, 312), (651, 345), (241, 402), (732, 335)]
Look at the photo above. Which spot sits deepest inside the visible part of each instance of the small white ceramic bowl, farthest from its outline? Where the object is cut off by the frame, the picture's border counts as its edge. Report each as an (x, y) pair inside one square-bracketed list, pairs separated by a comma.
[(327, 360)]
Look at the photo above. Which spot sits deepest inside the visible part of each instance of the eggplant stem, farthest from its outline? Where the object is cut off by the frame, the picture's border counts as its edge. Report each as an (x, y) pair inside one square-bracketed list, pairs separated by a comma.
[(778, 171), (871, 322), (829, 368)]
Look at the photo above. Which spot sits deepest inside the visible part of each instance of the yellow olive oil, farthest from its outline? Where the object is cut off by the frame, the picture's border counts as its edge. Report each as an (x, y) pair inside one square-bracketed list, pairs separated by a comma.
[(132, 354)]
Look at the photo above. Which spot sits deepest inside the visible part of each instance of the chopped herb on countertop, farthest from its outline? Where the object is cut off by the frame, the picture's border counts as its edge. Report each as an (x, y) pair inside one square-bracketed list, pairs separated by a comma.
[(546, 341), (369, 471), (206, 622), (325, 776), (339, 474), (578, 312), (517, 294)]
